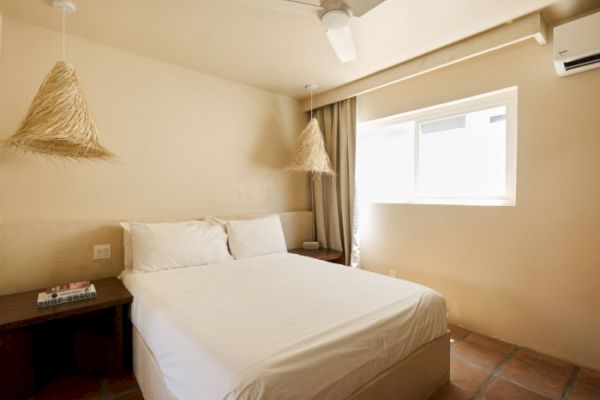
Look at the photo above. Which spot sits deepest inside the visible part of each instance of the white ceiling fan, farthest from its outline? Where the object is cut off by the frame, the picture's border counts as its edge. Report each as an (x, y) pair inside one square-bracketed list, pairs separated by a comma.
[(335, 17)]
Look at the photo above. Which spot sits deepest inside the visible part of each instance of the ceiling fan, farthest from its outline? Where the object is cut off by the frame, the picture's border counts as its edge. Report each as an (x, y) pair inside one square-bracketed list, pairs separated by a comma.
[(335, 17)]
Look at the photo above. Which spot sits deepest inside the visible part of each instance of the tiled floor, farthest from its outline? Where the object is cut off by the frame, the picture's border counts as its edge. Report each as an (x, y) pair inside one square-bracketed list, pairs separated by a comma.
[(484, 368), (480, 368)]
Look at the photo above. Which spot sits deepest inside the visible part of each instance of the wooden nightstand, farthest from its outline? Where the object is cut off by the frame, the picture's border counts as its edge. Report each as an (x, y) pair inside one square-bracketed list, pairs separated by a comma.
[(321, 254), (39, 345)]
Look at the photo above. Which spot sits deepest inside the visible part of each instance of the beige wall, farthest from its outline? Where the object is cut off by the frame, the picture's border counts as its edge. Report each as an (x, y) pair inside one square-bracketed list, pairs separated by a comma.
[(528, 274), (189, 144), (36, 255)]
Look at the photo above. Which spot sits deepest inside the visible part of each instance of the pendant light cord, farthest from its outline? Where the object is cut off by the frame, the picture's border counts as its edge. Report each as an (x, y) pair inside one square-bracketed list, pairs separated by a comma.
[(64, 50), (311, 106)]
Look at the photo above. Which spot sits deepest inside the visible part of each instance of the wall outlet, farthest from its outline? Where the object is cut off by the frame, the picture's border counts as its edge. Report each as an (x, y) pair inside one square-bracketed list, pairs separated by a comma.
[(101, 251), (393, 273)]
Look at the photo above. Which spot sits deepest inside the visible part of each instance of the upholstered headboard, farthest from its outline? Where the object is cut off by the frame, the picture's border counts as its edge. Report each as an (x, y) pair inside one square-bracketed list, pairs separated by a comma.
[(37, 255)]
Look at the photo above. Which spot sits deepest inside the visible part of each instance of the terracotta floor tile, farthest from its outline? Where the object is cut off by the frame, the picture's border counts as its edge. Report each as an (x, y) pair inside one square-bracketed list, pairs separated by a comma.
[(589, 376), (121, 383), (476, 355), (457, 333), (544, 361), (466, 376), (585, 391), (502, 389), (71, 387), (451, 392), (542, 377), (492, 344)]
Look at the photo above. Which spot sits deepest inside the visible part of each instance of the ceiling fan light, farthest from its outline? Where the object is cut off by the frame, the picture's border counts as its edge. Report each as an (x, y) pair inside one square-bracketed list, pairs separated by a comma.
[(335, 19)]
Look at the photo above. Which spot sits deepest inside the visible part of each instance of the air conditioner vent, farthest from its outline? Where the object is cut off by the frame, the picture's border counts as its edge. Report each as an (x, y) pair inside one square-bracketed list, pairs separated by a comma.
[(580, 62)]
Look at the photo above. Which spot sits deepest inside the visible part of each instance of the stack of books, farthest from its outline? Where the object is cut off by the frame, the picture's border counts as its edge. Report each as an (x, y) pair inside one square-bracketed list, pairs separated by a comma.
[(70, 292)]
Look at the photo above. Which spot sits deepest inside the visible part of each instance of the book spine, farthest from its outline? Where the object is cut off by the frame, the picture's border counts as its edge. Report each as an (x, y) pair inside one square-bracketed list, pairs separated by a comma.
[(67, 292), (70, 293), (49, 302)]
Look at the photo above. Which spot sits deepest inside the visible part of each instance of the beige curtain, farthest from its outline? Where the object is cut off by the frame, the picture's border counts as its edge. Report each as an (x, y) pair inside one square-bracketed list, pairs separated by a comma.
[(333, 196)]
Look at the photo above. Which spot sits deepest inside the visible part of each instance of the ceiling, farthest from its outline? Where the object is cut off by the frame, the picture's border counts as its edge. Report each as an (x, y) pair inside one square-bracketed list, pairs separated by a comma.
[(276, 50)]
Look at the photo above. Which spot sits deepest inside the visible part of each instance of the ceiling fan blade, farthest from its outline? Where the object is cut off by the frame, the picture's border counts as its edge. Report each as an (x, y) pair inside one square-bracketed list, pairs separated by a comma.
[(342, 43), (299, 7), (361, 7)]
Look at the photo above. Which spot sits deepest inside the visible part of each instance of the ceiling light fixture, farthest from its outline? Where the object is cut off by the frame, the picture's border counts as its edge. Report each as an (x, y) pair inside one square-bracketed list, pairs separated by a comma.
[(336, 22), (311, 155), (336, 19)]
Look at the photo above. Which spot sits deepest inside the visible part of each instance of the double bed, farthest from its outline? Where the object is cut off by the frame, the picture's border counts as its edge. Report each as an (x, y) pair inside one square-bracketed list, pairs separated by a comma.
[(284, 326)]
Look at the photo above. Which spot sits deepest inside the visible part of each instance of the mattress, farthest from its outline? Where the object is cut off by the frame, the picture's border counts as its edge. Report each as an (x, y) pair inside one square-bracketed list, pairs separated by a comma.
[(279, 326)]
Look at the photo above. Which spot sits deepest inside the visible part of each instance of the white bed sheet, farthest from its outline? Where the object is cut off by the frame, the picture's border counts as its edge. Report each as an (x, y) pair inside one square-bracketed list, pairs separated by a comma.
[(280, 326)]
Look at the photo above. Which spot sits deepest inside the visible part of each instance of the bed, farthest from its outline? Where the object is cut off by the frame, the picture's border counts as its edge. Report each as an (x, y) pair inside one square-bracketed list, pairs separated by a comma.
[(284, 326)]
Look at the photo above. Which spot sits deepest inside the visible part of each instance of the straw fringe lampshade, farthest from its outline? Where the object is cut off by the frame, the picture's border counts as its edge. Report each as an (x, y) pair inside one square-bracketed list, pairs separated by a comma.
[(311, 155), (59, 122)]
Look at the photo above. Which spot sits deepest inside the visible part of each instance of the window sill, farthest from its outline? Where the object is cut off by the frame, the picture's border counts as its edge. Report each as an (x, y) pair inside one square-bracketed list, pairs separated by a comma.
[(483, 202)]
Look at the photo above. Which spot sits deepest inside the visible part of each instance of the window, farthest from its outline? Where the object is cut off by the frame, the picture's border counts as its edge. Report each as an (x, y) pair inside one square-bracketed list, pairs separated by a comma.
[(463, 152)]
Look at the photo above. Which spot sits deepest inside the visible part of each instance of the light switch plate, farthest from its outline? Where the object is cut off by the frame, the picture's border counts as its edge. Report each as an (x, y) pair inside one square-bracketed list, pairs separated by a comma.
[(101, 251)]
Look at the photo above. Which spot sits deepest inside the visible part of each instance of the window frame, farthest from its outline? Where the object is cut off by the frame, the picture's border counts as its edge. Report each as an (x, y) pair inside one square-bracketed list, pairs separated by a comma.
[(507, 97)]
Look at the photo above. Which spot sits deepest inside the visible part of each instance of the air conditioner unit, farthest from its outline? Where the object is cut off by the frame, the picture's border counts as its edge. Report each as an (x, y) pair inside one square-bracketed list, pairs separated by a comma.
[(577, 45)]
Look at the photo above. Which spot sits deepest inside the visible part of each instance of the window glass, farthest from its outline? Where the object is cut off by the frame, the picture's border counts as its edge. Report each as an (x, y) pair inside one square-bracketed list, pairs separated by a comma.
[(463, 152), (466, 159), (389, 166)]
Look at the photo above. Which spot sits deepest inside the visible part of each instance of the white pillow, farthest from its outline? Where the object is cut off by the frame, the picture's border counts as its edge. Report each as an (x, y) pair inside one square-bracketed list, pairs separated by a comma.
[(128, 252), (155, 247), (256, 237)]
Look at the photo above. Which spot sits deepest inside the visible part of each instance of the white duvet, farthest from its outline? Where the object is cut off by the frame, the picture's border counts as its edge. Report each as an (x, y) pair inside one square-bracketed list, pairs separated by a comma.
[(281, 326)]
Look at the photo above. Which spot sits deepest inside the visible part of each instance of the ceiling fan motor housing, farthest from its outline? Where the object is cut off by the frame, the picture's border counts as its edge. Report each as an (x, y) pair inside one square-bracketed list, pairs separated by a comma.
[(336, 15)]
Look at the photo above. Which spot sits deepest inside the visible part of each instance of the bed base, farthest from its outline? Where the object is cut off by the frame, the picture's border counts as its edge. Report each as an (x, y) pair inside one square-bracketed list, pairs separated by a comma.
[(416, 377)]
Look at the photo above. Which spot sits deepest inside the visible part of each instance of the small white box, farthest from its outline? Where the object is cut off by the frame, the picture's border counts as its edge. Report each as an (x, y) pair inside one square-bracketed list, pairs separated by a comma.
[(310, 245)]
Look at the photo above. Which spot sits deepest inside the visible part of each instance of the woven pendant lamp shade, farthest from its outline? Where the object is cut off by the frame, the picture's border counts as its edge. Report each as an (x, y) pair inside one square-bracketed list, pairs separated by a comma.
[(58, 122), (311, 155)]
